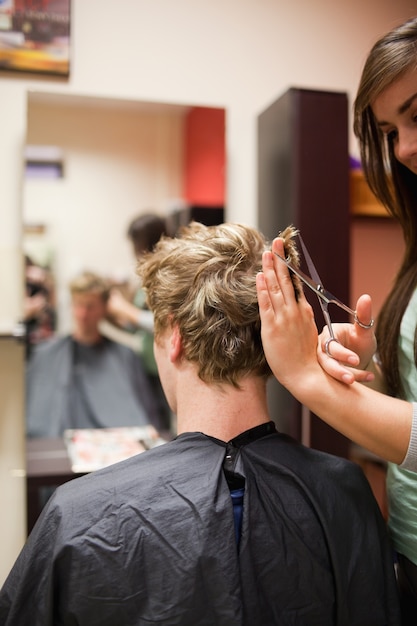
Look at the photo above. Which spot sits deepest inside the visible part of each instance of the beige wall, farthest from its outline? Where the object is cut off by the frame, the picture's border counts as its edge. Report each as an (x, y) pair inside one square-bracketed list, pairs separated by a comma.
[(240, 54)]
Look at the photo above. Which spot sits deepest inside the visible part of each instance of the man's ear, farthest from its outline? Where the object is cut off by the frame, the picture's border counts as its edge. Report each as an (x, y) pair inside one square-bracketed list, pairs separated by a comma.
[(175, 344)]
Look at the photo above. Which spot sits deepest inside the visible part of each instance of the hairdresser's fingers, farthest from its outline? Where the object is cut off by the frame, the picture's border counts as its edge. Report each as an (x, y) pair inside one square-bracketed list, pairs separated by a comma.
[(355, 345), (337, 349), (364, 313), (342, 372), (283, 274), (266, 308), (337, 360), (363, 339), (269, 292), (288, 330)]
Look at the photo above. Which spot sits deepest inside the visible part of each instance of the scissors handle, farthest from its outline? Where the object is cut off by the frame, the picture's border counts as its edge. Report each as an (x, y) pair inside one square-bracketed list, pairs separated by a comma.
[(327, 319), (328, 297), (361, 324)]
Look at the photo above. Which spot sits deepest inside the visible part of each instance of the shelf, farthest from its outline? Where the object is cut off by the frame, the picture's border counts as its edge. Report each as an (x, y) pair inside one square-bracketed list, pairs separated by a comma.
[(362, 200)]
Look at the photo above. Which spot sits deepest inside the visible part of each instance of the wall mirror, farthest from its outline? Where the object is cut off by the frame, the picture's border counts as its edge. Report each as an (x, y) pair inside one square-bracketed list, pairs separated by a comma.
[(93, 164)]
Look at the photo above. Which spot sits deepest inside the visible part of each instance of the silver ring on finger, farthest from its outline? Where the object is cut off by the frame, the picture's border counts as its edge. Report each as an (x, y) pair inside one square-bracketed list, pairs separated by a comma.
[(361, 324), (326, 346)]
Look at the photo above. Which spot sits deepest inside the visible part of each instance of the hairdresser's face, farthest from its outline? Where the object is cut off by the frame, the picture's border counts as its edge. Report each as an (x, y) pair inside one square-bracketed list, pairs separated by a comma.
[(395, 110)]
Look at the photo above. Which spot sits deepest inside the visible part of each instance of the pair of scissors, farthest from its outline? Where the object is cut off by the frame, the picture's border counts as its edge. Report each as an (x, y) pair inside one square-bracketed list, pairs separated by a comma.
[(324, 296)]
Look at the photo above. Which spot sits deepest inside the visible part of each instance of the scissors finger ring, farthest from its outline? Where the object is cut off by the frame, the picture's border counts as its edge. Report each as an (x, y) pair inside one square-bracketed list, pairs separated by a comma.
[(361, 324), (327, 344)]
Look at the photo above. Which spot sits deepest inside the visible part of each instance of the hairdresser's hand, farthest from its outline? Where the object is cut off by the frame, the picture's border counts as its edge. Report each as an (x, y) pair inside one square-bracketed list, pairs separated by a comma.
[(347, 358), (125, 312), (120, 309), (289, 333)]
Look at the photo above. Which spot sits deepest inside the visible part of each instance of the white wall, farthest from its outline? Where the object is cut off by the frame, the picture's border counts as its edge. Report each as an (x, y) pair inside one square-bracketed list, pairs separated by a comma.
[(240, 54)]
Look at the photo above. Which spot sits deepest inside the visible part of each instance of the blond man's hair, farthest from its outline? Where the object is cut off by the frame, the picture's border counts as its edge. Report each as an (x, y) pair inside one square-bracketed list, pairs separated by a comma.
[(204, 281), (89, 282)]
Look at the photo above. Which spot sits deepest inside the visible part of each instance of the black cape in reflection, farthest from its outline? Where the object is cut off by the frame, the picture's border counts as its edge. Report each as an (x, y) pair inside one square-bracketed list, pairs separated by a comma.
[(151, 541), (69, 385)]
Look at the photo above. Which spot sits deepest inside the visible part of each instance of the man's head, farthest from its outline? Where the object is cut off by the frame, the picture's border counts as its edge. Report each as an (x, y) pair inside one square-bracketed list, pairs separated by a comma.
[(89, 295), (204, 283)]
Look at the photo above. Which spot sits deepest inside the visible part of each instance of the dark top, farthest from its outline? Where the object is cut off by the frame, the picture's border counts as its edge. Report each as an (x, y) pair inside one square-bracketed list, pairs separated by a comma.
[(69, 385), (151, 540)]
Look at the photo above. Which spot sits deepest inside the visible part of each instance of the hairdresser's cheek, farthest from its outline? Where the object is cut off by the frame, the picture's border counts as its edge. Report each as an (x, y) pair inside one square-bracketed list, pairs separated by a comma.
[(405, 149)]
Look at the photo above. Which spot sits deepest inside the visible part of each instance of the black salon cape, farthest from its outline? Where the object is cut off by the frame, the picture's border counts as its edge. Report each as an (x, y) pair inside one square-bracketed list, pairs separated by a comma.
[(151, 541), (115, 386)]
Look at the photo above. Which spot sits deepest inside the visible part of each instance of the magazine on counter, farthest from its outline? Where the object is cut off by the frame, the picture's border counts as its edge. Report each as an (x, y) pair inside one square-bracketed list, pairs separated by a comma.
[(90, 449)]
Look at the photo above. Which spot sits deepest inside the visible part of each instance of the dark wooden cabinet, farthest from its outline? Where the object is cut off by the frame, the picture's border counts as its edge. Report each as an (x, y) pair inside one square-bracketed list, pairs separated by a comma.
[(303, 179)]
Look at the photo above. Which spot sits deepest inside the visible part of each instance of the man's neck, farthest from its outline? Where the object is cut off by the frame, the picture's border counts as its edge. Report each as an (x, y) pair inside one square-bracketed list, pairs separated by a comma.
[(222, 411), (87, 340)]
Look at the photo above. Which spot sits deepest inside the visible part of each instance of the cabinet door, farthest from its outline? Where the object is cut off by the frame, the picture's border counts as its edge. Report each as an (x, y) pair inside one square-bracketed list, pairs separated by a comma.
[(303, 179)]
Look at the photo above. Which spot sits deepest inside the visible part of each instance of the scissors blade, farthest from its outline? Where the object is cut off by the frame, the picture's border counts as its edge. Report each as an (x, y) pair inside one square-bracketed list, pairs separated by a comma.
[(326, 296), (312, 284), (323, 294), (311, 267), (324, 304)]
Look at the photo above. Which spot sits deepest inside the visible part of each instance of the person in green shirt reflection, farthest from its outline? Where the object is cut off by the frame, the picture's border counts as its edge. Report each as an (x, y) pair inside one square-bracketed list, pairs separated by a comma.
[(144, 233)]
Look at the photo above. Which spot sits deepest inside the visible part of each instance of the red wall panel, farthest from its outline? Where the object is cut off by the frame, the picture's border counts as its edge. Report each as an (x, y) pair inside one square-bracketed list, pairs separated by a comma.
[(205, 160)]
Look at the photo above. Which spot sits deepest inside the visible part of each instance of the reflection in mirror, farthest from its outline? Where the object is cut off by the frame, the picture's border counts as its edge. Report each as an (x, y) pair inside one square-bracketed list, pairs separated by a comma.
[(92, 165), (113, 160)]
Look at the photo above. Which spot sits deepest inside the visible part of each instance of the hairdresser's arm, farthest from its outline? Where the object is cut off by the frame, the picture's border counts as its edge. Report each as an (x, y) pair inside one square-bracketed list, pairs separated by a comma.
[(126, 312), (377, 422)]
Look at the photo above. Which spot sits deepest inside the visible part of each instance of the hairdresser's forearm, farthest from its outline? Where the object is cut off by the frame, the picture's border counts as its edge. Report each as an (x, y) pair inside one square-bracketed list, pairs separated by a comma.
[(380, 423)]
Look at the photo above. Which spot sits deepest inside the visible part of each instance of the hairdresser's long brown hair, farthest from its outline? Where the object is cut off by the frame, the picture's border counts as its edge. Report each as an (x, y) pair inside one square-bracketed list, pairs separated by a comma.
[(391, 182)]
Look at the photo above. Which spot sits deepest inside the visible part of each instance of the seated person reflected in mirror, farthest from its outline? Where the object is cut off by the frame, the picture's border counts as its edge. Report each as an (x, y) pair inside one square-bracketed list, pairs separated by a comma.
[(85, 380)]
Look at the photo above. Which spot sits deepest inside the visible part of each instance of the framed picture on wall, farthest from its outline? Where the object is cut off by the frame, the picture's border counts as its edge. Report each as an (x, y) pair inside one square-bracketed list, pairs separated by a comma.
[(35, 36)]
